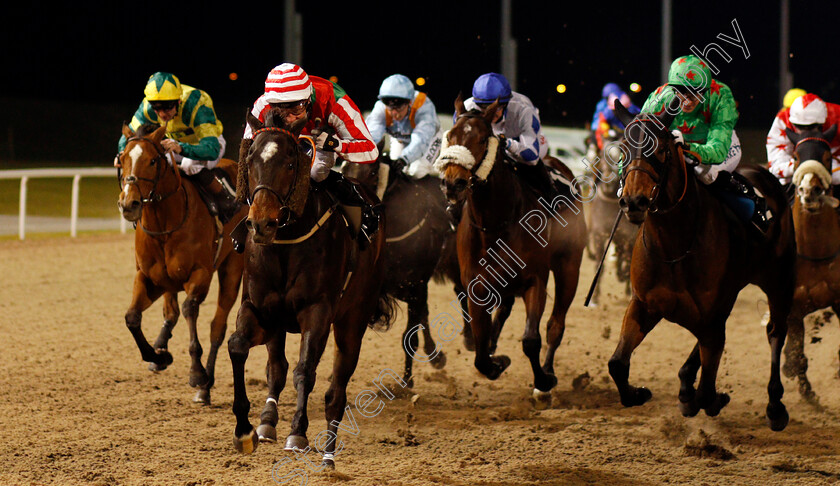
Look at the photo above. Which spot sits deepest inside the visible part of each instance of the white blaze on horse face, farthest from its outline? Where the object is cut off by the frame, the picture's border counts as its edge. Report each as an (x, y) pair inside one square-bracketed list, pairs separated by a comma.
[(268, 151)]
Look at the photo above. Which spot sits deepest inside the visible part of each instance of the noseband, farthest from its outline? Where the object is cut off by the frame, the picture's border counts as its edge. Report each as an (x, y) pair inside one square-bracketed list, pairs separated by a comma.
[(132, 179)]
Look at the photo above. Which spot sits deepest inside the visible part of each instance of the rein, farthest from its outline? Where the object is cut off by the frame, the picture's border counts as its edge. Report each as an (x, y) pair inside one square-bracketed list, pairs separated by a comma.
[(284, 200)]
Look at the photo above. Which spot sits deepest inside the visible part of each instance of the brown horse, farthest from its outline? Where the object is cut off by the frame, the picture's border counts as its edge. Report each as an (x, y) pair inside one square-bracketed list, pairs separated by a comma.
[(818, 246), (418, 226), (691, 259), (601, 213), (178, 246), (304, 273), (508, 241)]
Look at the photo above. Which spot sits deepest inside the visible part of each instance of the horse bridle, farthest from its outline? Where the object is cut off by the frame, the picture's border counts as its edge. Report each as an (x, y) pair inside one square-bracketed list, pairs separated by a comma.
[(160, 161), (285, 209)]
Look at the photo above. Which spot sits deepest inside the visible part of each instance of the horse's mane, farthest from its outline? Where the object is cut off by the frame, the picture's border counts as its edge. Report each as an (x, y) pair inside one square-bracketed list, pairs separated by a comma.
[(146, 129)]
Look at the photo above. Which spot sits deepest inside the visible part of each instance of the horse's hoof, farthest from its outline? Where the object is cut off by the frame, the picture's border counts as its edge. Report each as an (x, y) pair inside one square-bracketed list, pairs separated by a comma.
[(636, 396), (689, 408), (777, 416), (542, 399), (328, 464), (469, 344), (163, 359), (546, 382), (439, 361), (298, 442), (198, 378), (720, 401), (500, 364), (267, 433), (202, 396), (790, 369), (154, 367), (246, 444)]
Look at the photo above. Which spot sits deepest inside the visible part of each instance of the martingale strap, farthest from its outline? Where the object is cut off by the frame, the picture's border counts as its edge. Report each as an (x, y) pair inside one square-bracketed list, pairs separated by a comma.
[(311, 232)]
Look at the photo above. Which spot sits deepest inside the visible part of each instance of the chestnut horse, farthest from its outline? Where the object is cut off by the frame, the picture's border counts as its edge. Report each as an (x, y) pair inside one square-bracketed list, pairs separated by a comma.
[(818, 246), (601, 214), (499, 255), (418, 226), (691, 259), (304, 272), (178, 246)]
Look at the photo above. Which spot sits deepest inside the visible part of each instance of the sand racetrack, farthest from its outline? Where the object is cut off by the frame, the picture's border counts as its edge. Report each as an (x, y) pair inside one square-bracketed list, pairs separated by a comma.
[(78, 406)]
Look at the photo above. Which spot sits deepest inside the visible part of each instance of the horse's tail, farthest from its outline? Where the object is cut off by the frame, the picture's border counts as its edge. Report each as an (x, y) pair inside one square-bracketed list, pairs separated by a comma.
[(385, 313)]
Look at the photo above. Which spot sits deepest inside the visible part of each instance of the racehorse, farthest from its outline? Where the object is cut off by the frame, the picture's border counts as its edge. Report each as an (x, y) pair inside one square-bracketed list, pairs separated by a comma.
[(304, 272), (818, 245), (499, 256), (691, 259), (601, 214), (418, 226), (178, 246)]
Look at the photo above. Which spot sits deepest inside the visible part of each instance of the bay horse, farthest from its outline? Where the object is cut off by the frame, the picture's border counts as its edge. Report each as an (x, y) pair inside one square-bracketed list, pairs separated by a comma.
[(503, 256), (178, 246), (817, 228), (691, 259), (304, 273), (601, 214), (418, 227)]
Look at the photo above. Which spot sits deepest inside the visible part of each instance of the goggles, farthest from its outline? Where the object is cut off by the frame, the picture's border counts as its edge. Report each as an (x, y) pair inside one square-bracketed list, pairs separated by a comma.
[(295, 108), (395, 103), (163, 105)]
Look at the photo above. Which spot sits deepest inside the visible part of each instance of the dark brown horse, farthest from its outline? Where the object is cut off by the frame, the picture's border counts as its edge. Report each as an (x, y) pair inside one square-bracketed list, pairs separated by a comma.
[(304, 272), (508, 241), (418, 226), (601, 213), (818, 246), (178, 246), (691, 259)]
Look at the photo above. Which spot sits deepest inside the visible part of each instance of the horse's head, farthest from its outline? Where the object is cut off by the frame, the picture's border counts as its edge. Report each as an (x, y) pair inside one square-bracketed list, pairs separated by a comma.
[(654, 172), (468, 152), (143, 164), (277, 180), (812, 145), (367, 174), (812, 174)]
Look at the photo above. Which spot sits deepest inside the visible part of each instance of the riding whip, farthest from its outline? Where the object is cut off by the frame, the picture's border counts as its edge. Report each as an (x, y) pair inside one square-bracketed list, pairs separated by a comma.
[(603, 257)]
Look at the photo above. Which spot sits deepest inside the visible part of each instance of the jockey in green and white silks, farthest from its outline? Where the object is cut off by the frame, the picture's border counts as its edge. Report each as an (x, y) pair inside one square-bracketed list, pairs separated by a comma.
[(410, 119), (706, 122)]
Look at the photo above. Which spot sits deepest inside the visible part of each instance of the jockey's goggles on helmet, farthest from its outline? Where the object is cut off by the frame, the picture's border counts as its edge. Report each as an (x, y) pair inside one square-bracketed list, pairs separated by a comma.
[(686, 91), (395, 103), (295, 108), (484, 106), (163, 105)]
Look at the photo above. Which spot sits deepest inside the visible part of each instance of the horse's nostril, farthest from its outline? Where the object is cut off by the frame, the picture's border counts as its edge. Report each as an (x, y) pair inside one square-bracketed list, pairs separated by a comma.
[(622, 203)]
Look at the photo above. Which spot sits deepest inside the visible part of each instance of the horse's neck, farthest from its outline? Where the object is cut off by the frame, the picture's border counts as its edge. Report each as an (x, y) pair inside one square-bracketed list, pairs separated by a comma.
[(678, 224), (492, 204), (817, 234), (171, 207)]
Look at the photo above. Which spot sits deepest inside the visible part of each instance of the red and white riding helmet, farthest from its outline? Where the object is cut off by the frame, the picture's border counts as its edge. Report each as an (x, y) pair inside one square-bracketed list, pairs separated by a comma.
[(808, 110), (287, 83)]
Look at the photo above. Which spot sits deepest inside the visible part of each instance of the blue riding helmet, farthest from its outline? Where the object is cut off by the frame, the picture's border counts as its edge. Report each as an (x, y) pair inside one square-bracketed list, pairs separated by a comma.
[(397, 86), (611, 89), (490, 86)]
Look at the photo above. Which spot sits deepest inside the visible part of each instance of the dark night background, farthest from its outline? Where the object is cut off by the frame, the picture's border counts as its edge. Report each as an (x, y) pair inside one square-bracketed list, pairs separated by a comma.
[(72, 73)]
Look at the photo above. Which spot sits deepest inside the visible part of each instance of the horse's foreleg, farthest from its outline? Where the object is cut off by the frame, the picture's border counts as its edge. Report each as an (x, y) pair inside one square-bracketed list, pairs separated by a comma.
[(482, 330), (796, 363), (348, 342), (531, 340), (565, 285), (143, 295), (688, 375), (275, 373), (196, 289), (711, 350), (637, 323), (170, 318), (469, 339), (777, 329), (247, 335), (315, 325), (499, 318)]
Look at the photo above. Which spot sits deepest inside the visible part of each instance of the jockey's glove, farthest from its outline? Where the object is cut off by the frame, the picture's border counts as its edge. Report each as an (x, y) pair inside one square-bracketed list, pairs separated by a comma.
[(399, 164), (678, 137), (117, 162), (327, 142)]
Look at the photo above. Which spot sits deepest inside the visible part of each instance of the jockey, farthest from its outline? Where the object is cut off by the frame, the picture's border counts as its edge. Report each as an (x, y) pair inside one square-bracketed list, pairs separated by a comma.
[(604, 118), (804, 112), (791, 96), (409, 117), (324, 108), (519, 122), (705, 126), (194, 135)]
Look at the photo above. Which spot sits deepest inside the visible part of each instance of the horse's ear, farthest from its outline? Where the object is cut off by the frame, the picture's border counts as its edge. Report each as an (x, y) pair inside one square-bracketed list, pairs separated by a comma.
[(829, 134), (793, 136), (126, 131), (253, 121), (159, 134), (298, 125), (622, 112), (459, 105), (490, 112)]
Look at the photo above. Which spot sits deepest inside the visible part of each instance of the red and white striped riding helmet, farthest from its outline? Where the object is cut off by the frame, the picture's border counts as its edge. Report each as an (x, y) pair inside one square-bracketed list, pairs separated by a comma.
[(287, 83), (808, 110)]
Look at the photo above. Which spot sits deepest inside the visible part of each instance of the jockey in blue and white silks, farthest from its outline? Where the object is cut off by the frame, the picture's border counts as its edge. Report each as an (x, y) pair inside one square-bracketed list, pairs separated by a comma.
[(409, 118)]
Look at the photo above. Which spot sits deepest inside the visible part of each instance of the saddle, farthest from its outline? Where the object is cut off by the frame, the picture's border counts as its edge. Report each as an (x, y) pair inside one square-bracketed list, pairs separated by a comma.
[(208, 198)]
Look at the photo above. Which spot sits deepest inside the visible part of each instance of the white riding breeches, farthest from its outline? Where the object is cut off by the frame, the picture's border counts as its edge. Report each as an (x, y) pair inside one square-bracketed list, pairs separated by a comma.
[(707, 173)]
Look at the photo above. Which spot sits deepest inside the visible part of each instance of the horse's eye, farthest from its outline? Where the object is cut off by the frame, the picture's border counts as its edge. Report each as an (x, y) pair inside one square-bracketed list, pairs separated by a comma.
[(818, 191), (291, 166)]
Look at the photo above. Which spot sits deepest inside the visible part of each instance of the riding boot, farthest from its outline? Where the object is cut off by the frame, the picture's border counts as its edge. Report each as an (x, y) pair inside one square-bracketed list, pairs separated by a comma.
[(537, 175), (223, 202), (350, 193), (740, 196)]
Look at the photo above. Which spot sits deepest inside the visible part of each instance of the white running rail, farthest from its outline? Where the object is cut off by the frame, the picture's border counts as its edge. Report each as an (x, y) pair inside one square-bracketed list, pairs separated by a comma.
[(76, 173)]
